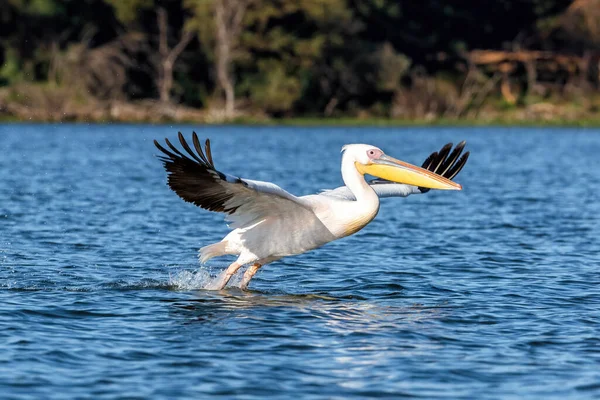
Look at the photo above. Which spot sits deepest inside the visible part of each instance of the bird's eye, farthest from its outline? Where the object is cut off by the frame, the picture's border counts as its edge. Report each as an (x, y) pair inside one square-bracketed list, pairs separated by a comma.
[(374, 154)]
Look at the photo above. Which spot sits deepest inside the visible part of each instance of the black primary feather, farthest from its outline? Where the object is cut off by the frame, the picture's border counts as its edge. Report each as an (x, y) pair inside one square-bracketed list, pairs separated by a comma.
[(451, 158), (443, 153), (429, 160), (446, 165), (193, 176), (208, 152)]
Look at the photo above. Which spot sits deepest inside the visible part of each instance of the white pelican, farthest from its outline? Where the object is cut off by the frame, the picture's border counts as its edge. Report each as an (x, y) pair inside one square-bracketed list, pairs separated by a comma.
[(269, 223)]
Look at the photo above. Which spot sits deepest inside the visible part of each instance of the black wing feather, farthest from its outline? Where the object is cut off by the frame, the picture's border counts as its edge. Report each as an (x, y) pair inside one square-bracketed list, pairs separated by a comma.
[(451, 158), (199, 149), (458, 166), (209, 153), (174, 149), (429, 160), (443, 153), (188, 149), (195, 179), (444, 164)]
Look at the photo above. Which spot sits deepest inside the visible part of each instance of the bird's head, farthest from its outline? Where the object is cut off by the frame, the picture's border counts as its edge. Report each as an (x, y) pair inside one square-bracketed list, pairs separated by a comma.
[(373, 161)]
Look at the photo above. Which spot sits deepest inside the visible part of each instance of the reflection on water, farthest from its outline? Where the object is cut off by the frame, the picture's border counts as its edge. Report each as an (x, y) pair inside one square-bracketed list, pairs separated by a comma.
[(334, 312), (487, 293)]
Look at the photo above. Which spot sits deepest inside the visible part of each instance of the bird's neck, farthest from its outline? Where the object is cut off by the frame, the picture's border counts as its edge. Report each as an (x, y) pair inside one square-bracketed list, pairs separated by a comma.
[(366, 198), (345, 217)]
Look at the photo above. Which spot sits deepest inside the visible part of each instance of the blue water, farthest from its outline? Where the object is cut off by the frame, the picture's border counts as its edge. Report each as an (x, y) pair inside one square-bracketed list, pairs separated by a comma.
[(492, 292)]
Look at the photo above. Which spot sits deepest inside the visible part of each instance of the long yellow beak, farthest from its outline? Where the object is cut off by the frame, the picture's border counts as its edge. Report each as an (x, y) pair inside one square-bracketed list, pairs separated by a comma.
[(401, 172)]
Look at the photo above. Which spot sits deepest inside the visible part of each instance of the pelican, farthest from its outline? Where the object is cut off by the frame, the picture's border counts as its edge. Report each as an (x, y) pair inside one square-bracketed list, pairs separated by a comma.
[(269, 223)]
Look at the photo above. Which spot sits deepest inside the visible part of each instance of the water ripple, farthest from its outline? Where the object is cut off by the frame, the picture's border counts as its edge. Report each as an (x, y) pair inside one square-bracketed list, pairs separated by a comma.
[(488, 293)]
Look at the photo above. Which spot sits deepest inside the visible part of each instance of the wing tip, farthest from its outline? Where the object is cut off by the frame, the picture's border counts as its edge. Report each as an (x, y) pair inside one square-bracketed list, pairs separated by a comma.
[(447, 163)]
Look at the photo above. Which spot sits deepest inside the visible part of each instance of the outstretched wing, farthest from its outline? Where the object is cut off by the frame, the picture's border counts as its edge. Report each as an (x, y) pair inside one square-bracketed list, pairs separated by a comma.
[(445, 163), (195, 179)]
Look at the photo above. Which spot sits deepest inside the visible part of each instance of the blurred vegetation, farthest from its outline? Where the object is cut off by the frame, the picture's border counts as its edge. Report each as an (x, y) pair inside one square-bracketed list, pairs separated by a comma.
[(379, 60)]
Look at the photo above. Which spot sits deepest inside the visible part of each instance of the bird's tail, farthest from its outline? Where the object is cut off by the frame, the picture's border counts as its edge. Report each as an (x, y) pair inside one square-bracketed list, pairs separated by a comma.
[(212, 250)]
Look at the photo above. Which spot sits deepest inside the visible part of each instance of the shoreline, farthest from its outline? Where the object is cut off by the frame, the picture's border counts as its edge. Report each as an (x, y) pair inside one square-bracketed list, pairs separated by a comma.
[(27, 109), (332, 122)]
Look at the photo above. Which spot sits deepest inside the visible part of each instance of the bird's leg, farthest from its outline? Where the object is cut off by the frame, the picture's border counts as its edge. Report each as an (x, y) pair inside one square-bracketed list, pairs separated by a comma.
[(225, 277), (250, 272)]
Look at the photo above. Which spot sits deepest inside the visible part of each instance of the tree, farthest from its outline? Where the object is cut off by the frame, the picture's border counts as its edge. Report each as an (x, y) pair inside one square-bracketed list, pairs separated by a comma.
[(229, 16), (130, 12), (168, 56), (220, 23), (32, 33), (289, 42), (579, 25), (423, 29)]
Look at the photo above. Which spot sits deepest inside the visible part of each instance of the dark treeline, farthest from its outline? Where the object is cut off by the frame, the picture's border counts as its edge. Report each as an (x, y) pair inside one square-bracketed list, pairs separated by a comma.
[(220, 59)]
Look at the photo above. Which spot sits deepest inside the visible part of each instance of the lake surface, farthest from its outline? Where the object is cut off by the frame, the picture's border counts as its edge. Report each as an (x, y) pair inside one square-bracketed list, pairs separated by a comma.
[(492, 292)]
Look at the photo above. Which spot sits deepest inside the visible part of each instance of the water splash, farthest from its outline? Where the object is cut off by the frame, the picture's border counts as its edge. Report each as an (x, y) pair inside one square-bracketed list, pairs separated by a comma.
[(201, 279), (188, 280)]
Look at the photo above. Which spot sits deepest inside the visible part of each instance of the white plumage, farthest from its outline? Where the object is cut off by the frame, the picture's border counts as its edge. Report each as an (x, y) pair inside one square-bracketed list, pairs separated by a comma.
[(269, 223)]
